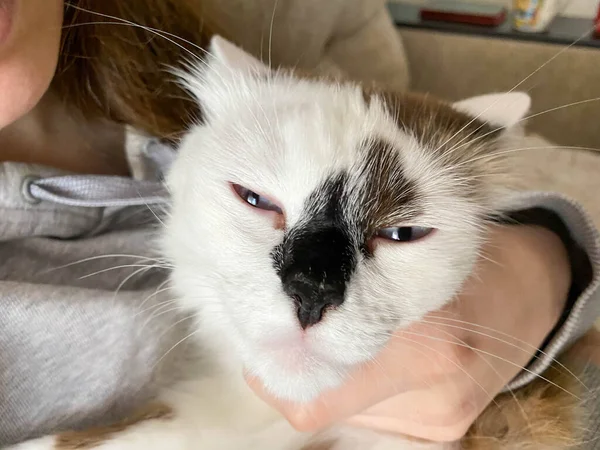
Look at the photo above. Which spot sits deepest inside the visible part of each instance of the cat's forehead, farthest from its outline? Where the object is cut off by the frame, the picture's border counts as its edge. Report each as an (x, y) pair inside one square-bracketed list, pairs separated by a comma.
[(319, 128), (382, 157), (349, 113)]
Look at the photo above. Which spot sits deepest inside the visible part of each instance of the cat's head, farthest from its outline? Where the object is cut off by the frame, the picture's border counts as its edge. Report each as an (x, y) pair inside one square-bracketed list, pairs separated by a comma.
[(311, 218)]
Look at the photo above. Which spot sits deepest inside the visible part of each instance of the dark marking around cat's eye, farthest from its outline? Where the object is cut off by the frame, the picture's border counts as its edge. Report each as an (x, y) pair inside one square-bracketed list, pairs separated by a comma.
[(320, 253), (388, 196)]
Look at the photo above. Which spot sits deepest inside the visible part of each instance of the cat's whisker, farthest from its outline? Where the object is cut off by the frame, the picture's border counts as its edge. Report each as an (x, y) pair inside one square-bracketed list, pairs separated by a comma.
[(174, 324), (581, 102), (560, 52), (94, 258), (489, 259), (386, 375), (526, 350), (159, 33), (134, 211), (491, 365), (271, 32), (488, 363), (159, 289), (499, 155), (125, 280), (374, 360), (156, 306), (156, 314), (123, 266), (443, 356), (457, 145), (154, 214), (500, 358), (528, 347), (193, 333)]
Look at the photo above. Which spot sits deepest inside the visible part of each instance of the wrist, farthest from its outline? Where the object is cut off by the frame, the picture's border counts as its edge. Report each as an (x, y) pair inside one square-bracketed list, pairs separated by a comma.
[(542, 266)]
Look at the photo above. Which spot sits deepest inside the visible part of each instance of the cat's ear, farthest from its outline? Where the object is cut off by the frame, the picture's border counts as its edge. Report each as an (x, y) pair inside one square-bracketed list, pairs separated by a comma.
[(223, 78), (234, 58), (501, 109)]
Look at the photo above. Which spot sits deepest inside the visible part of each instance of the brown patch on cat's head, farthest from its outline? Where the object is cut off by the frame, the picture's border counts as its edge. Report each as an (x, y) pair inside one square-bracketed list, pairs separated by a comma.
[(461, 145), (450, 134), (435, 123), (93, 437)]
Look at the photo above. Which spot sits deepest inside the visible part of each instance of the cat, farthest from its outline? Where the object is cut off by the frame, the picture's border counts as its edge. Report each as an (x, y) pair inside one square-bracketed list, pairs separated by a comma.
[(311, 218)]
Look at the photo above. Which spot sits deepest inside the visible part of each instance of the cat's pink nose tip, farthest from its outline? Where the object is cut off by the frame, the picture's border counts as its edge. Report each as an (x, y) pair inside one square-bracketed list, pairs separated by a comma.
[(312, 301)]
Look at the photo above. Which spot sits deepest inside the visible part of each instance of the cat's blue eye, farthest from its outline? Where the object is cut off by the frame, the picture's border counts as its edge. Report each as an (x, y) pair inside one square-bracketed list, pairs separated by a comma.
[(256, 200), (404, 234)]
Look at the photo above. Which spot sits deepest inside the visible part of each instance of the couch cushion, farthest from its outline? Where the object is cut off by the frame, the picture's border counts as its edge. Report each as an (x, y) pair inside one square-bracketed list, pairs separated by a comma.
[(548, 167)]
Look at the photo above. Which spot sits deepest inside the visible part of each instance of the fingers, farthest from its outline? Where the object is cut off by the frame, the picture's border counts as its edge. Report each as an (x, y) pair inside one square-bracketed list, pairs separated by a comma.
[(426, 417)]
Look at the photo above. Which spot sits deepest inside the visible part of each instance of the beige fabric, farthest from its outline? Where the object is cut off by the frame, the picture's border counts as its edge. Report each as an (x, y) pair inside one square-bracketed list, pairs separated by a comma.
[(325, 34), (455, 66), (571, 172)]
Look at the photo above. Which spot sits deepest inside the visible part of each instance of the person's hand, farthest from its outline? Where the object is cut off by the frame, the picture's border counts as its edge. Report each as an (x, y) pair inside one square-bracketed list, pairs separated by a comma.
[(434, 378)]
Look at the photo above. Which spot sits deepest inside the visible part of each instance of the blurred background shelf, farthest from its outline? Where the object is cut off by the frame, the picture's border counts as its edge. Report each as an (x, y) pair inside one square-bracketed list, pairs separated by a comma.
[(562, 30)]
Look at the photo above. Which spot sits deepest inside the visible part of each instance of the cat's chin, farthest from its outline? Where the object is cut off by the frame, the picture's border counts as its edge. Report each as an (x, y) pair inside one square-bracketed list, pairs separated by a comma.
[(298, 378), (291, 370)]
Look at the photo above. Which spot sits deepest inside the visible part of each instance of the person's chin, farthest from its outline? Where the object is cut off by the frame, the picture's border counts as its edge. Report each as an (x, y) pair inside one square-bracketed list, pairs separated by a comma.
[(20, 89)]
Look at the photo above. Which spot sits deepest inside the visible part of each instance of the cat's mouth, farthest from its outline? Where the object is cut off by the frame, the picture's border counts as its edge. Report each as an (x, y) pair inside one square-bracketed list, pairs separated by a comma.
[(295, 352), (297, 365)]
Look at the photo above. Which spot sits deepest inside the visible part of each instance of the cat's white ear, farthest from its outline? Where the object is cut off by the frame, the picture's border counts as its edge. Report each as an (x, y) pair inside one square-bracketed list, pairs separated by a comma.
[(233, 57), (500, 109), (223, 79)]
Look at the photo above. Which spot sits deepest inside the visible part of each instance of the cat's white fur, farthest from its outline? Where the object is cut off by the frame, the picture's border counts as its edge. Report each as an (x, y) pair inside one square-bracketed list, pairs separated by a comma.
[(280, 136)]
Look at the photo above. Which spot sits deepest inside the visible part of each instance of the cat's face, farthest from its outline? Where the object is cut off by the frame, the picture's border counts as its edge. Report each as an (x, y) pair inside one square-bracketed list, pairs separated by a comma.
[(312, 219)]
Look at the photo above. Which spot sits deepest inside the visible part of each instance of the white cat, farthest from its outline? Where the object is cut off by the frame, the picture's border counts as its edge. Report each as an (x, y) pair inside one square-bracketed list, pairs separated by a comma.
[(310, 219)]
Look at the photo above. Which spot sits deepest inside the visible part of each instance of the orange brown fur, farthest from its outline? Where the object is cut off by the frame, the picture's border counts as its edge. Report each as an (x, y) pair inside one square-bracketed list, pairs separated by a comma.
[(118, 72), (539, 416), (92, 437)]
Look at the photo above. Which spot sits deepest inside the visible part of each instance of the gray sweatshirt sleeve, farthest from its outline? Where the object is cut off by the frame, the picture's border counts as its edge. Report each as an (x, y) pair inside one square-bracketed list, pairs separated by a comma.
[(577, 231)]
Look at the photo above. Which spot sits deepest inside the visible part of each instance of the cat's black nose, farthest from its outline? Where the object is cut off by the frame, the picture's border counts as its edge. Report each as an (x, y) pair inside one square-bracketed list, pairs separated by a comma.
[(312, 298), (314, 265)]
